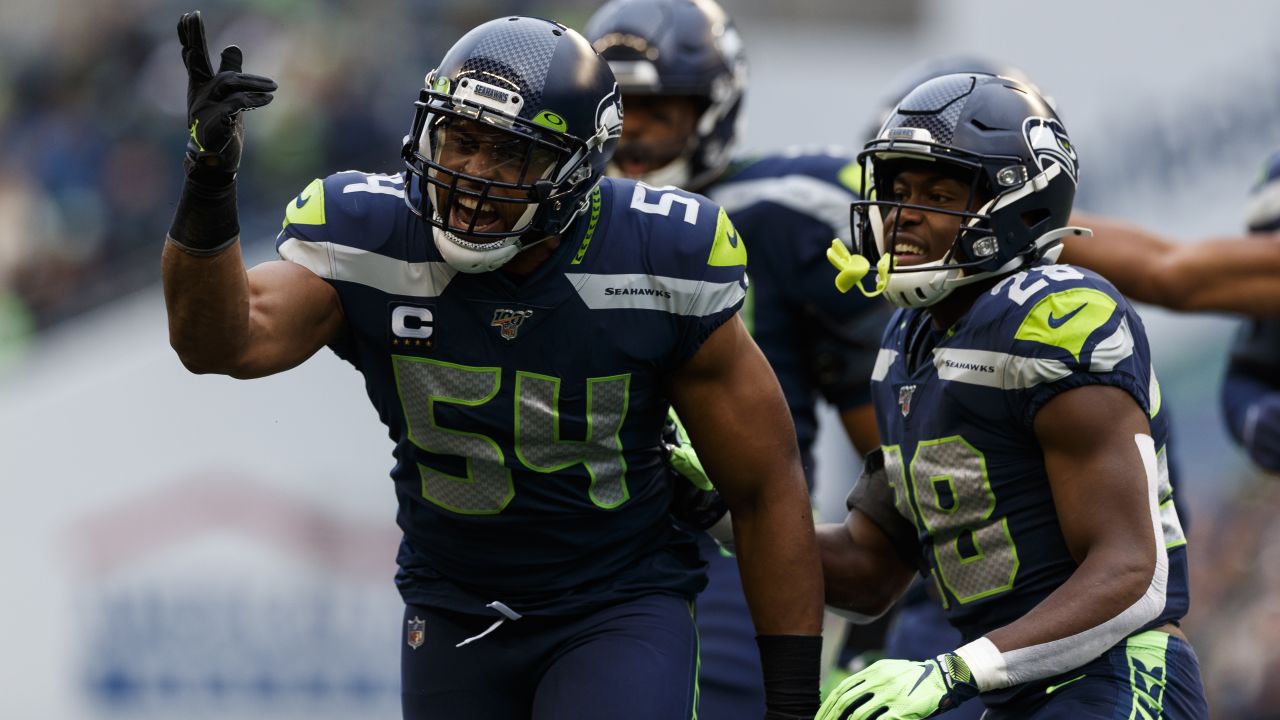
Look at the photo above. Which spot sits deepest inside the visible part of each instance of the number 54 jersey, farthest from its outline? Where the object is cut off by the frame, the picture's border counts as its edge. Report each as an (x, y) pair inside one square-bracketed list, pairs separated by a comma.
[(527, 413), (956, 412)]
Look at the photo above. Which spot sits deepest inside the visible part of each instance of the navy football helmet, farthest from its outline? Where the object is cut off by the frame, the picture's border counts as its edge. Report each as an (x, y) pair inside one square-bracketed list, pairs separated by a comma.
[(552, 103), (1004, 136), (684, 48), (931, 68)]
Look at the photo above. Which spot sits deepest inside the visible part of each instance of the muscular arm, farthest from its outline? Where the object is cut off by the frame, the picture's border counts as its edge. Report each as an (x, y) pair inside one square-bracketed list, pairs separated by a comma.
[(861, 569), (225, 320), (1224, 274), (1103, 490), (733, 409), (860, 426)]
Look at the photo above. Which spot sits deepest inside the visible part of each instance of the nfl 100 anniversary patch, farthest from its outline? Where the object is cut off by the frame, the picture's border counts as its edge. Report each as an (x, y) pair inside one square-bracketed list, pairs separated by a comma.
[(508, 321)]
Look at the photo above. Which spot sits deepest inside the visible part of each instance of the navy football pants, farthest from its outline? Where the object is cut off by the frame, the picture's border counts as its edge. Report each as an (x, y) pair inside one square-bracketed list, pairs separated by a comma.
[(1149, 675), (636, 660), (732, 682)]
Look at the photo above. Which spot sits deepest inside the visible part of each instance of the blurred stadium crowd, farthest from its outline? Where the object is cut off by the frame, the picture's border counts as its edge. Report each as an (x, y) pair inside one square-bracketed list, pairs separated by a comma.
[(91, 127), (91, 122)]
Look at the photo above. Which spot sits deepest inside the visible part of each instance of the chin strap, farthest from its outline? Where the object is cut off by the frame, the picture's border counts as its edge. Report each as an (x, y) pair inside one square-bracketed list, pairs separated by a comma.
[(855, 267)]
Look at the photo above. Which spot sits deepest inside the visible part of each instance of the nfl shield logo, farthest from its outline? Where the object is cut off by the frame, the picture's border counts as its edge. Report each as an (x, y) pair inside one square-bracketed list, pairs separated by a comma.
[(508, 321), (417, 632), (904, 398)]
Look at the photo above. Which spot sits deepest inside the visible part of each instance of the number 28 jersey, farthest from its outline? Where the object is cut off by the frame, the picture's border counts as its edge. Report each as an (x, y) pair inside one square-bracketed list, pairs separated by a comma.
[(956, 412), (527, 414)]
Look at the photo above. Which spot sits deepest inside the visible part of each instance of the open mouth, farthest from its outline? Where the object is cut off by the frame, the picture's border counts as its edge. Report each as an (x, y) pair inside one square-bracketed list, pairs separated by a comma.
[(909, 252), (635, 168), (468, 209)]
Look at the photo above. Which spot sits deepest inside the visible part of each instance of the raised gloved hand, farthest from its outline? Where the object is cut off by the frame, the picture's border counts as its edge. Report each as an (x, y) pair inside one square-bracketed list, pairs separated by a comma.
[(1263, 211), (215, 102), (901, 690), (207, 221), (1261, 432)]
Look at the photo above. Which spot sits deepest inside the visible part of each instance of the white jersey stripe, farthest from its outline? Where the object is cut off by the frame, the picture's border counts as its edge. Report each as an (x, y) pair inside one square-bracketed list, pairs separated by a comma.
[(1111, 351), (995, 369), (340, 262), (655, 292), (884, 361)]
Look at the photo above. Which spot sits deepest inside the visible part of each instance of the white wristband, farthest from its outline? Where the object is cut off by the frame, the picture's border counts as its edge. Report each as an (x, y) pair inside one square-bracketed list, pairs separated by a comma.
[(986, 663)]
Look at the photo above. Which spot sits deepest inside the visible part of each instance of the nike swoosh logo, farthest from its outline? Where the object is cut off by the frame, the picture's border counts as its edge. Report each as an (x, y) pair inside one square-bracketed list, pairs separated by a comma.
[(927, 669), (1049, 690), (304, 199), (1057, 322)]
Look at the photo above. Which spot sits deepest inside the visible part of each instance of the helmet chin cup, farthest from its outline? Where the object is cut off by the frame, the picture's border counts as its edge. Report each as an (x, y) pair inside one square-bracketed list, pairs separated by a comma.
[(676, 173), (470, 260)]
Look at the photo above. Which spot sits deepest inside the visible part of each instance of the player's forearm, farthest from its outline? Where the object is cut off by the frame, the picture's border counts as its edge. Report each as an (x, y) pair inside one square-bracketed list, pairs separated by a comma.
[(1109, 597), (778, 560), (1228, 274), (207, 299), (856, 579)]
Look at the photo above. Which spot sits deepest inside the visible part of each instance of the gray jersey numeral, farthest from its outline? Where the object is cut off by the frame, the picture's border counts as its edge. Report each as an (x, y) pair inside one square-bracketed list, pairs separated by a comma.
[(487, 488), (975, 553)]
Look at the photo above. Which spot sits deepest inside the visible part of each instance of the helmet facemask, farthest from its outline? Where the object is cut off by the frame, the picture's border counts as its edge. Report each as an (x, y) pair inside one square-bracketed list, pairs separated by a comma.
[(491, 183), (997, 189)]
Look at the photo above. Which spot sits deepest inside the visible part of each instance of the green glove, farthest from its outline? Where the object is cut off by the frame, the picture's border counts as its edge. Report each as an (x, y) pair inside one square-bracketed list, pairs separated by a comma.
[(681, 455), (901, 690)]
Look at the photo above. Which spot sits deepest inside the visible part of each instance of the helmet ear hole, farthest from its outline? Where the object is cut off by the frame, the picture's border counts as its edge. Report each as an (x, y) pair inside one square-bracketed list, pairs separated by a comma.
[(1035, 216)]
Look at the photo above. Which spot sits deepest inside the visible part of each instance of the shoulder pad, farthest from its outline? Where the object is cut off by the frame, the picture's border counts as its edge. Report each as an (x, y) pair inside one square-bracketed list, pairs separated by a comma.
[(817, 187), (344, 214), (349, 208), (1066, 312), (683, 234)]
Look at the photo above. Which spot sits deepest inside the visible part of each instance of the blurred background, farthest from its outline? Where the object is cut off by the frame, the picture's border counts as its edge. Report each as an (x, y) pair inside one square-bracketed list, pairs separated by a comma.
[(184, 546)]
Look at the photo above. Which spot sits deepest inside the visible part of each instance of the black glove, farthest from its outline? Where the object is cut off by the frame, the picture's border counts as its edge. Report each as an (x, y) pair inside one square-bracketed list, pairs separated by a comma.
[(215, 128), (207, 222)]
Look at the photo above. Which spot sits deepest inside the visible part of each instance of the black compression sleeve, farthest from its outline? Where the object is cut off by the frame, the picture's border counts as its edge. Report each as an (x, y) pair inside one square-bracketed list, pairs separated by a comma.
[(791, 666), (207, 221)]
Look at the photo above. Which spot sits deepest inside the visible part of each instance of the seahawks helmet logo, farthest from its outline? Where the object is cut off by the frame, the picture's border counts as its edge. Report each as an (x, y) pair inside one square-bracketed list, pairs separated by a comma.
[(1048, 142), (609, 117)]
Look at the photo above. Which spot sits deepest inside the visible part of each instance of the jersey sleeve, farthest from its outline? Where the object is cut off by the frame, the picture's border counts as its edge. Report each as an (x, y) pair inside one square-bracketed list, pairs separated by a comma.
[(336, 218), (1073, 329), (711, 252), (331, 224)]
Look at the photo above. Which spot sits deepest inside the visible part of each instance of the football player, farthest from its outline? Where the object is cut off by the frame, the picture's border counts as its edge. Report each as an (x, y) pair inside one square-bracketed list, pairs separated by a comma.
[(522, 326), (1023, 458), (1251, 388), (681, 68)]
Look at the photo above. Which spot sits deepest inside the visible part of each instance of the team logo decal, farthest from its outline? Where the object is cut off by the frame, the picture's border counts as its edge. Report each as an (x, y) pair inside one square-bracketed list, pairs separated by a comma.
[(1049, 143), (509, 321), (609, 117), (417, 633), (904, 398)]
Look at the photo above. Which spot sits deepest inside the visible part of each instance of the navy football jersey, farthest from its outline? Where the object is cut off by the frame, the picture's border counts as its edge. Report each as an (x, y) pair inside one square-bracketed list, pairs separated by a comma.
[(956, 412), (527, 413), (819, 342)]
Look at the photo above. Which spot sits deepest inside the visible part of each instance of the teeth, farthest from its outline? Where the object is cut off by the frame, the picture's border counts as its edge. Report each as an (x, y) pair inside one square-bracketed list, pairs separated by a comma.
[(470, 203), (908, 249)]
